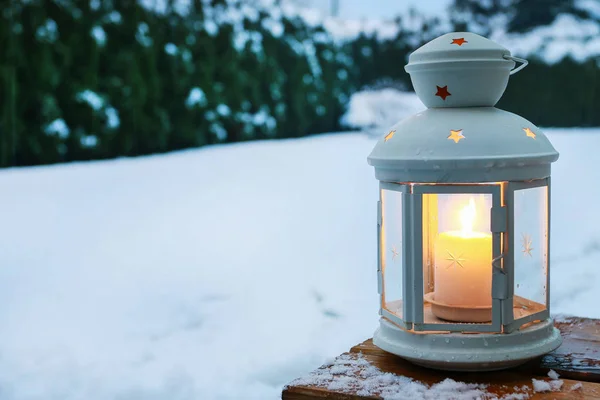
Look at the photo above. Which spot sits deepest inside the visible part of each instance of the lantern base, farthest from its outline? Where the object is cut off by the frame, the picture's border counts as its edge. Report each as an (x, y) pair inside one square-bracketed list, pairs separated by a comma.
[(468, 352)]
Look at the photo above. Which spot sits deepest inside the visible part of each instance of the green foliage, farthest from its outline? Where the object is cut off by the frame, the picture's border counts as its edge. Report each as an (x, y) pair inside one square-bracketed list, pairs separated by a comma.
[(564, 94), (100, 79)]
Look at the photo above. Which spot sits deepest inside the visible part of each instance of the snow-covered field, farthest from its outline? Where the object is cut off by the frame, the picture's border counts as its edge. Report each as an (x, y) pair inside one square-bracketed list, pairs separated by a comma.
[(372, 111), (220, 273)]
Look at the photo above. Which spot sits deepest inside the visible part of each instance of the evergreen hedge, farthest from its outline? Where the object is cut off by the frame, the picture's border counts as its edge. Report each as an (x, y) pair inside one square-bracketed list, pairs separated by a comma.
[(99, 79)]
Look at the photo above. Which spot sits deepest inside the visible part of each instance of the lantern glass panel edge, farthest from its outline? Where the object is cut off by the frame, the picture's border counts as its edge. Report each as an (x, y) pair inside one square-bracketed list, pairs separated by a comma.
[(528, 254), (392, 252)]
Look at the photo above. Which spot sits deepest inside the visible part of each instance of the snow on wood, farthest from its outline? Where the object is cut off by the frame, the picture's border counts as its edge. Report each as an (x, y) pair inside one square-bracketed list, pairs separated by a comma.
[(546, 386), (552, 374), (577, 386), (352, 373)]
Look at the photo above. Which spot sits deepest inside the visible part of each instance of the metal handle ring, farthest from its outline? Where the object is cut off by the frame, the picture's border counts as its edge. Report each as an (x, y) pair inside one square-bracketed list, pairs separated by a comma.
[(523, 62)]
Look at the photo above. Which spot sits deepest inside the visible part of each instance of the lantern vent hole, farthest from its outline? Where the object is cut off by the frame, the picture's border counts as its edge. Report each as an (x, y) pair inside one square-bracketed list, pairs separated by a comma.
[(442, 92), (456, 135), (389, 135), (459, 41), (529, 133)]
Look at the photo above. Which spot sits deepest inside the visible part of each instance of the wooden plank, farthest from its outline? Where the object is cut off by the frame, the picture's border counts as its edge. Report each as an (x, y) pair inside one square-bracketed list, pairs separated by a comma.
[(589, 391), (578, 360), (316, 394), (579, 355), (311, 392), (499, 383)]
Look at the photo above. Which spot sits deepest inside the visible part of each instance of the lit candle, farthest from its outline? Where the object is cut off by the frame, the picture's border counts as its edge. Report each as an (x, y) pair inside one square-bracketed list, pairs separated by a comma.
[(463, 264)]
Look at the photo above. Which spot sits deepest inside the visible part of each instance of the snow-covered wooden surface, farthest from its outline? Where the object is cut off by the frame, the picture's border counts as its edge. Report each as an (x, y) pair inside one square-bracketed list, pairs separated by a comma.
[(366, 372)]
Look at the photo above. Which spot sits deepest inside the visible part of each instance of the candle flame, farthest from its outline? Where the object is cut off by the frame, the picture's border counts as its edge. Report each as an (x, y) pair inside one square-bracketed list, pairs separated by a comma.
[(467, 217)]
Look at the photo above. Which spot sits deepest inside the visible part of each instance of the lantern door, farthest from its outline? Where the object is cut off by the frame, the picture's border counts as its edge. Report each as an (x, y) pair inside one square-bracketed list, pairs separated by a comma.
[(392, 264), (528, 252), (459, 233)]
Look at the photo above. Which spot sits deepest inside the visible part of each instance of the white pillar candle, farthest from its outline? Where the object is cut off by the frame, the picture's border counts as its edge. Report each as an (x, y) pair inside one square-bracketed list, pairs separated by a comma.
[(463, 264)]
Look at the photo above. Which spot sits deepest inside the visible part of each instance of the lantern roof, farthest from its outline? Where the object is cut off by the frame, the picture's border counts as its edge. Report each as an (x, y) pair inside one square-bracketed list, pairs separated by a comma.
[(461, 137), (461, 145)]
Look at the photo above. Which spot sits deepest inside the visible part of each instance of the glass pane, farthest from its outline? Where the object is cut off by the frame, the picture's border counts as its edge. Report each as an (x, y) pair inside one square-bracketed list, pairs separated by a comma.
[(457, 264), (391, 250), (530, 250)]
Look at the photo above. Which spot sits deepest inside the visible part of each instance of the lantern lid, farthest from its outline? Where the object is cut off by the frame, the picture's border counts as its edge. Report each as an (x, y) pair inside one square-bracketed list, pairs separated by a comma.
[(456, 47), (461, 69), (463, 145)]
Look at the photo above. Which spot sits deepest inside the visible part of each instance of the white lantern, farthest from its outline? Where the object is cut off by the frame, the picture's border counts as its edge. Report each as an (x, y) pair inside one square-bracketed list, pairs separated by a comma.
[(464, 217)]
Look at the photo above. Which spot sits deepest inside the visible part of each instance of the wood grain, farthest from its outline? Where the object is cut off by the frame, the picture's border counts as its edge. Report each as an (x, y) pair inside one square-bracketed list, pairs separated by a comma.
[(579, 355), (577, 360)]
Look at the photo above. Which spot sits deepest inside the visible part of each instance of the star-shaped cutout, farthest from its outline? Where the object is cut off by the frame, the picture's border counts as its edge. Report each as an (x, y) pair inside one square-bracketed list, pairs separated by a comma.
[(394, 253), (527, 245), (389, 136), (459, 41), (454, 261), (456, 135), (529, 133), (442, 92)]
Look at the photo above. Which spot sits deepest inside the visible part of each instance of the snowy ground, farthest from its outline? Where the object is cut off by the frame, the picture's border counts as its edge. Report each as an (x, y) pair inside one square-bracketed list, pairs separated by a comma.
[(372, 111), (220, 273)]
